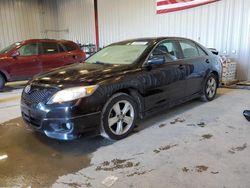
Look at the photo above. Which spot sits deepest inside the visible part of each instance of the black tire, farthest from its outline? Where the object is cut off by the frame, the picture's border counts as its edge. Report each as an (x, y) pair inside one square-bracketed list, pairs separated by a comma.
[(210, 90), (108, 113), (2, 82)]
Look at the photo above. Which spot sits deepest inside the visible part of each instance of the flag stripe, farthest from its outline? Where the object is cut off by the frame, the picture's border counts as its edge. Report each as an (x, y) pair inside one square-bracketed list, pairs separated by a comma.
[(164, 6)]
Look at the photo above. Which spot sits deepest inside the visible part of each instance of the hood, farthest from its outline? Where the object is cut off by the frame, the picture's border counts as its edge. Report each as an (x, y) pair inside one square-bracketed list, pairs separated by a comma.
[(79, 74)]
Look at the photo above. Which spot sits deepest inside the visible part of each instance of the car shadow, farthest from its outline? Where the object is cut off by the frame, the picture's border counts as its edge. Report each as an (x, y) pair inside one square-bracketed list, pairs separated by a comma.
[(171, 113)]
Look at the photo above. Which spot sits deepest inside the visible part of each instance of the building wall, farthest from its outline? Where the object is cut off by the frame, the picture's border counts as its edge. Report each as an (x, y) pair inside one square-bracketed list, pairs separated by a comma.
[(76, 20), (25, 19), (224, 25)]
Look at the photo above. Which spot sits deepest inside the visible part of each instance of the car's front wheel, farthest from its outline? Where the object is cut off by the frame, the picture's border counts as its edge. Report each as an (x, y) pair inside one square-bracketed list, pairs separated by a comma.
[(210, 88), (118, 117)]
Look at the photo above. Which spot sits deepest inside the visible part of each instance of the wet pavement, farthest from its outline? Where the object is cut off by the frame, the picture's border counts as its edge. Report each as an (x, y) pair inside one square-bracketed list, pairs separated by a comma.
[(193, 145), (37, 161)]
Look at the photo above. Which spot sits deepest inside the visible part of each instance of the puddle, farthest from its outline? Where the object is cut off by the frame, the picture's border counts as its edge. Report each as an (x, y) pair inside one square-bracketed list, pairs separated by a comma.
[(37, 161)]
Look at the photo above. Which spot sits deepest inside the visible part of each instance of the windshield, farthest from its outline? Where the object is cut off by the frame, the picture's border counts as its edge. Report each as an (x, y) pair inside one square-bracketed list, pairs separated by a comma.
[(7, 49), (119, 54)]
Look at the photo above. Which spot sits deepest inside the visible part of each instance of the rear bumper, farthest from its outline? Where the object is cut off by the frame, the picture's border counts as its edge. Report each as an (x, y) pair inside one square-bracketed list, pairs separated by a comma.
[(65, 128)]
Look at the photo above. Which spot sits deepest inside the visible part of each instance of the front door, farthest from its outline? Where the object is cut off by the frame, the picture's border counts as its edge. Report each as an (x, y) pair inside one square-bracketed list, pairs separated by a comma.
[(27, 64), (165, 82)]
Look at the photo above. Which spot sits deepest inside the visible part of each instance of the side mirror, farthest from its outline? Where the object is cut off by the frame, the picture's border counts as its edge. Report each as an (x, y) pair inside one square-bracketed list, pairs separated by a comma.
[(15, 54), (156, 60), (246, 113), (214, 51)]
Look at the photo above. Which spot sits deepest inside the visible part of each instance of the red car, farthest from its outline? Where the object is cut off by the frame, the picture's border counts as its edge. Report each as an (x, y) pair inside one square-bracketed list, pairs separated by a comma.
[(23, 60)]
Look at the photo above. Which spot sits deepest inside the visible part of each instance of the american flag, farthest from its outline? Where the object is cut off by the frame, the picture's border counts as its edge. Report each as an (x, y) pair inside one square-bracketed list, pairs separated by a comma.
[(164, 6)]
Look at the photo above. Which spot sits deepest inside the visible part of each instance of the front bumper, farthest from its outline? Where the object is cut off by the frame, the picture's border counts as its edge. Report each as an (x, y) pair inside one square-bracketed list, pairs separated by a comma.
[(64, 126)]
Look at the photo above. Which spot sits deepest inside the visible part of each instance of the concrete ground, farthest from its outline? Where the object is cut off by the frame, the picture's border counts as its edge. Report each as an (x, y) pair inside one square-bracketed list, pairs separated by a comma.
[(193, 145)]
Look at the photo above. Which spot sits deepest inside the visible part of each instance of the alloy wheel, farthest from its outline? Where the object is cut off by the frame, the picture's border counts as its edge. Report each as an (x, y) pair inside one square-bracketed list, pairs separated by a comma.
[(121, 117), (211, 87)]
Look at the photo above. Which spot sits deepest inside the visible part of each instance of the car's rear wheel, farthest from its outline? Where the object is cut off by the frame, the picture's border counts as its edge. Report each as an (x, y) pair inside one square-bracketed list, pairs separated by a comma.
[(118, 117), (2, 82), (210, 88)]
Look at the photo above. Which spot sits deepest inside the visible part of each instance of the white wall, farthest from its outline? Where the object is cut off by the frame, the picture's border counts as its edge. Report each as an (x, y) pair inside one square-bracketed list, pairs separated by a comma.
[(224, 25), (25, 19), (76, 17)]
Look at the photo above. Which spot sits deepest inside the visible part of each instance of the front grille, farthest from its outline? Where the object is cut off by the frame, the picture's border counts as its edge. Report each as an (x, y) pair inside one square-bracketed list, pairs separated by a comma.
[(37, 95)]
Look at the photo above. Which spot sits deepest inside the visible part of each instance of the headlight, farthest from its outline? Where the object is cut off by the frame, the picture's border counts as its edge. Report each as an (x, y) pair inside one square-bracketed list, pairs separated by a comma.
[(71, 94)]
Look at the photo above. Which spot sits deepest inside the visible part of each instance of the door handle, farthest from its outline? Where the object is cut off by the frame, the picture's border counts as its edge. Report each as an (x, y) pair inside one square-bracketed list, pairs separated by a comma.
[(207, 61), (181, 67)]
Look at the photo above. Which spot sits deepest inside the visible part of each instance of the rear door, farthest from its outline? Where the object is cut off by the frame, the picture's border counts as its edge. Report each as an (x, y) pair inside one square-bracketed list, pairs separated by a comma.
[(165, 83), (195, 57), (51, 55), (27, 64)]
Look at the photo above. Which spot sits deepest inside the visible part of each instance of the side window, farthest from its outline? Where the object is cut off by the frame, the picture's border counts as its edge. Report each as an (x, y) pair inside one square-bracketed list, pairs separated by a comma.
[(189, 49), (29, 49), (69, 47), (167, 49), (50, 48)]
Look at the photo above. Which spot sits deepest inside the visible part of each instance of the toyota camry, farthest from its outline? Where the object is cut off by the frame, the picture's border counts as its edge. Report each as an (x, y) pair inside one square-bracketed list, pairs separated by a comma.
[(122, 82)]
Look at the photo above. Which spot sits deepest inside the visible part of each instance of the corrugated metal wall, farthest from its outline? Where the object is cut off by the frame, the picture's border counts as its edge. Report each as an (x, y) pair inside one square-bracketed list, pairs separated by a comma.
[(224, 25), (25, 19), (76, 18)]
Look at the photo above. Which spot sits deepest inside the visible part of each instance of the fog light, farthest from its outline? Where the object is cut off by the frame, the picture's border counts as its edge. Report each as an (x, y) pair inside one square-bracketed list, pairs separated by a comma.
[(69, 126)]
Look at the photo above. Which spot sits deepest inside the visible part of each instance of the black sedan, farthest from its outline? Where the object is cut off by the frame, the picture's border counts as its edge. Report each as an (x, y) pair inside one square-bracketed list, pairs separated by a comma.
[(122, 82)]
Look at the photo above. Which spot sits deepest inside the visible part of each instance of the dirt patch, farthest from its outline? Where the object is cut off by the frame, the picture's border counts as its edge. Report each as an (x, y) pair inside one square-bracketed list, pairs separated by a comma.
[(201, 124), (201, 168), (191, 125), (163, 148), (214, 172), (139, 173), (239, 148), (206, 136), (156, 151), (116, 164), (177, 120), (76, 185), (162, 125), (185, 169)]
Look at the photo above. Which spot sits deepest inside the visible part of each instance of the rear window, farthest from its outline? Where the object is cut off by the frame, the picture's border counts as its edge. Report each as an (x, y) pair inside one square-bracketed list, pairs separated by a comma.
[(51, 48), (69, 46), (189, 49)]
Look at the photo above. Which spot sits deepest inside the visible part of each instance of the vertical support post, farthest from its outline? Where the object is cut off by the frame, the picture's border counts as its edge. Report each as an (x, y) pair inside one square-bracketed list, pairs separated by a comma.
[(96, 24)]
